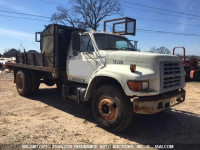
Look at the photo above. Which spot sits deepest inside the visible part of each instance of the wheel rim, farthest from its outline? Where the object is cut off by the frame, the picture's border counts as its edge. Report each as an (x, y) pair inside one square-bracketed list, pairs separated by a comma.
[(108, 109), (19, 82)]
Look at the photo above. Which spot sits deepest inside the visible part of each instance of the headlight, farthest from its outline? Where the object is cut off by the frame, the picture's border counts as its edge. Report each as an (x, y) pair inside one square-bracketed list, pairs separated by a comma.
[(138, 85)]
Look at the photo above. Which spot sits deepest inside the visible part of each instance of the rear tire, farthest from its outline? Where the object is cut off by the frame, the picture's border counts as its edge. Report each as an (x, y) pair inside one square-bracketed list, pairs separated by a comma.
[(35, 83), (112, 108), (23, 83)]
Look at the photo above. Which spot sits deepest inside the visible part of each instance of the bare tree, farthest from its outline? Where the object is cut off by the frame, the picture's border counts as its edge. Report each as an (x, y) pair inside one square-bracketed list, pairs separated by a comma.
[(86, 13), (161, 50), (22, 46), (6, 50)]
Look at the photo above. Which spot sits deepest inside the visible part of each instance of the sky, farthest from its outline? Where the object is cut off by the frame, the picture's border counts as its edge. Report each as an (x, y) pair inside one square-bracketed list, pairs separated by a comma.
[(17, 33)]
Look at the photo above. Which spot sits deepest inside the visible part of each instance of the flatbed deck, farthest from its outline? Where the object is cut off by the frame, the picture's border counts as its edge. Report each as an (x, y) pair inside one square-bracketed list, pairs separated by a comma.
[(12, 65)]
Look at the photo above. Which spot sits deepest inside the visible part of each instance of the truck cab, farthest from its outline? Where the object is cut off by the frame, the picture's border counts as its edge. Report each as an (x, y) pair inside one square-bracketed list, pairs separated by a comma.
[(111, 56)]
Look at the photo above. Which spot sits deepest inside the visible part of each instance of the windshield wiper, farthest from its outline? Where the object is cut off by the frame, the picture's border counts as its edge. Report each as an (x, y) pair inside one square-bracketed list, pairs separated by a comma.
[(110, 48), (129, 48)]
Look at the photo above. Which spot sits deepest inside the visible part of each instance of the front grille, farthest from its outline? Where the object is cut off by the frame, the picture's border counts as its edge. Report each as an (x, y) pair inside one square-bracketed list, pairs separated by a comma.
[(171, 82), (171, 68), (170, 75)]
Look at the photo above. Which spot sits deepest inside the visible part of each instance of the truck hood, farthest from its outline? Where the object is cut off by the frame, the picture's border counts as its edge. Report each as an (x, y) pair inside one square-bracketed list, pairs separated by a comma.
[(149, 67), (142, 59)]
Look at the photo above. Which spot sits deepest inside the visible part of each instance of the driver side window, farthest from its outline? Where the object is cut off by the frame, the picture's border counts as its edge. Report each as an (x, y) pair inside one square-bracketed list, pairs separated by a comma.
[(86, 44)]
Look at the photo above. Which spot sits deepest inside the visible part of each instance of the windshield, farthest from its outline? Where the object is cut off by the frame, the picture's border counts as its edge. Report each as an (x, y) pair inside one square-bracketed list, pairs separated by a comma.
[(112, 42)]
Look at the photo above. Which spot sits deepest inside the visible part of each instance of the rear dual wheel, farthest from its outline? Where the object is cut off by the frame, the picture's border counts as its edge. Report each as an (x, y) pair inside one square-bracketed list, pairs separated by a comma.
[(23, 83), (111, 108), (26, 83)]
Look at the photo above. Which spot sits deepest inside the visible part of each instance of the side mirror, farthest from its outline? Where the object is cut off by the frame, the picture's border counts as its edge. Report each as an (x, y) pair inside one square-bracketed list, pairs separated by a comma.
[(75, 42), (38, 36), (135, 44)]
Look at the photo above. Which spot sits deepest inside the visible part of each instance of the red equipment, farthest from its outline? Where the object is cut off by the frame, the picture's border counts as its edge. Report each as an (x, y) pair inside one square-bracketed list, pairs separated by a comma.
[(191, 66)]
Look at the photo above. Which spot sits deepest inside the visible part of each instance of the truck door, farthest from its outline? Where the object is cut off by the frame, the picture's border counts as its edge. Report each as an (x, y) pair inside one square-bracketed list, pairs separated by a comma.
[(82, 66)]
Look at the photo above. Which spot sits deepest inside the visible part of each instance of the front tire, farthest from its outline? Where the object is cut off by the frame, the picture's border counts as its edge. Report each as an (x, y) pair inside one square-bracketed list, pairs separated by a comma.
[(111, 108)]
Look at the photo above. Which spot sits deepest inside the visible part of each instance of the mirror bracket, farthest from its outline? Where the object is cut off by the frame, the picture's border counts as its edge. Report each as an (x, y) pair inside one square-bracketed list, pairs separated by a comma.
[(75, 53)]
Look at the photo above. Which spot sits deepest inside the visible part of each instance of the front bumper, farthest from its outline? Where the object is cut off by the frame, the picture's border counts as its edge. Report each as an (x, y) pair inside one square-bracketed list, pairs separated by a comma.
[(155, 104)]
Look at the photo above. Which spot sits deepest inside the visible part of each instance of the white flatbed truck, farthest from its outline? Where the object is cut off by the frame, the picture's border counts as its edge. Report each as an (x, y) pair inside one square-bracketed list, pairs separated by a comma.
[(104, 70)]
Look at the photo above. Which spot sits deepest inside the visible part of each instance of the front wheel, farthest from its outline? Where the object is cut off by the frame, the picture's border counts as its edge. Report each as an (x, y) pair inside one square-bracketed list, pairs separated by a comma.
[(111, 108)]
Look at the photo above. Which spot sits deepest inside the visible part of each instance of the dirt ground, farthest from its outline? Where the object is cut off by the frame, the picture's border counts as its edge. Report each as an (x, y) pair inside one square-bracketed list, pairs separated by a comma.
[(48, 119)]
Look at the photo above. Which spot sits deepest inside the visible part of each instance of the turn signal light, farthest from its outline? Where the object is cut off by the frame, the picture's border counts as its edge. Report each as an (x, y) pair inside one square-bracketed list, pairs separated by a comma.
[(132, 67), (138, 85), (135, 85)]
